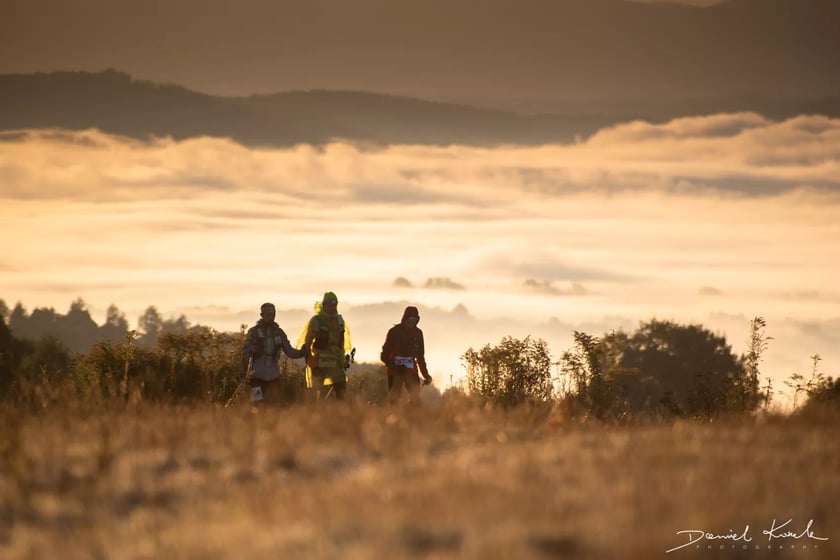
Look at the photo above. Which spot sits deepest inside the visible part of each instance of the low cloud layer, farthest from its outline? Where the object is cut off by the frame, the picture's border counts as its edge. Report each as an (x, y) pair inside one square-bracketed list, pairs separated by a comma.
[(730, 214), (738, 154)]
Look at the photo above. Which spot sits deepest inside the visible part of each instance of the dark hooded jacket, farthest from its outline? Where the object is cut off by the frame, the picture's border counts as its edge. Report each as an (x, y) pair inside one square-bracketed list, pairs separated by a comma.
[(404, 348)]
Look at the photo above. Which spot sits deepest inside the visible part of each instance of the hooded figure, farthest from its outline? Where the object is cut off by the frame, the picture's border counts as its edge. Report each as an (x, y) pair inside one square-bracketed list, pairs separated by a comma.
[(404, 356), (327, 338)]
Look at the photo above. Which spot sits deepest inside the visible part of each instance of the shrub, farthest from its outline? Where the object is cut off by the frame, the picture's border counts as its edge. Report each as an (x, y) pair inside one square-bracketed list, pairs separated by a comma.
[(513, 372)]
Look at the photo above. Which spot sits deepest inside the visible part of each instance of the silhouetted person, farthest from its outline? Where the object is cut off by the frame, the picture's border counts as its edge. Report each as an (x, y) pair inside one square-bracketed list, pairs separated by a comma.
[(404, 355), (262, 348), (327, 339)]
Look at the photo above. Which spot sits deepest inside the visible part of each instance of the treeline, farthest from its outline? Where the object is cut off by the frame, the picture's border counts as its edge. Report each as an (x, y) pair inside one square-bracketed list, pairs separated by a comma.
[(78, 332)]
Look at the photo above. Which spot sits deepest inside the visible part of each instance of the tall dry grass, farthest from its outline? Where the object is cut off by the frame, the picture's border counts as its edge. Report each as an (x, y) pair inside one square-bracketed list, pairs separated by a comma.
[(447, 480)]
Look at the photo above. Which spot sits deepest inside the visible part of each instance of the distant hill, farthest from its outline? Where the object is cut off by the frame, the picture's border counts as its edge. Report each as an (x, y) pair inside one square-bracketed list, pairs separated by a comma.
[(559, 56), (111, 101), (114, 102)]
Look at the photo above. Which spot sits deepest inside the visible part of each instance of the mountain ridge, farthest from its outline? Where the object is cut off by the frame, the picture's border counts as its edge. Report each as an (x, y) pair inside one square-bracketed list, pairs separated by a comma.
[(114, 102)]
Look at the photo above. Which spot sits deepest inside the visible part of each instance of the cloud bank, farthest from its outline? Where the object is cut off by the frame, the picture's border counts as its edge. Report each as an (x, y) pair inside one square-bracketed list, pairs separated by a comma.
[(737, 154)]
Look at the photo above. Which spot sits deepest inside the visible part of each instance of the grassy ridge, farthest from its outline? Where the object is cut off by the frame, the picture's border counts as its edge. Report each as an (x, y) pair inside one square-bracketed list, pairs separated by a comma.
[(451, 479)]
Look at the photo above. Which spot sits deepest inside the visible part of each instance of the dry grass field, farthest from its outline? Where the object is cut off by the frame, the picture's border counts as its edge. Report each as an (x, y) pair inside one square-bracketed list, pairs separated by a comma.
[(447, 480)]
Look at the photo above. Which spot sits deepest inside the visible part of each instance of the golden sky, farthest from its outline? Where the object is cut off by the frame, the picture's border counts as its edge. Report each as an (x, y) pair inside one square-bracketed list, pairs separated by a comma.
[(712, 220)]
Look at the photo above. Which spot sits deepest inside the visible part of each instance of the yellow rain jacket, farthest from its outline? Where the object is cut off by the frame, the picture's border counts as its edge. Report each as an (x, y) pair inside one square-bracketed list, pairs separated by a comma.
[(328, 340)]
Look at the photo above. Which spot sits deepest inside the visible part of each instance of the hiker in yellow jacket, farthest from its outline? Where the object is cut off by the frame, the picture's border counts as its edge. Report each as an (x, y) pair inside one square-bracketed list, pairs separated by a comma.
[(327, 338)]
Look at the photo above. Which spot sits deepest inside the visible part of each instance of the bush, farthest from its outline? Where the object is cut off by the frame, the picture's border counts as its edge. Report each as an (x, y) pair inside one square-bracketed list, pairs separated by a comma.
[(661, 369), (514, 372)]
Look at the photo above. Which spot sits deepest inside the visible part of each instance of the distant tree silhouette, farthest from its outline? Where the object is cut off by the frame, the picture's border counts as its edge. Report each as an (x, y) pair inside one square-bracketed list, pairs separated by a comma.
[(176, 326), (115, 327), (77, 330), (12, 352), (150, 326), (17, 318), (42, 322)]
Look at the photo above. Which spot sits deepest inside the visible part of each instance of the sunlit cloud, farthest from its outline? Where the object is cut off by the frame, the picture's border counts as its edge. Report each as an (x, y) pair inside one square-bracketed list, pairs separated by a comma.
[(443, 284), (709, 291), (548, 287), (401, 282), (739, 153)]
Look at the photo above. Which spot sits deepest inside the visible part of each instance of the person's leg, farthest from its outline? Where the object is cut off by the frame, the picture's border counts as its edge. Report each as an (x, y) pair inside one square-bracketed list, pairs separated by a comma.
[(256, 389), (340, 390), (394, 388), (325, 392), (412, 385), (271, 392), (319, 391)]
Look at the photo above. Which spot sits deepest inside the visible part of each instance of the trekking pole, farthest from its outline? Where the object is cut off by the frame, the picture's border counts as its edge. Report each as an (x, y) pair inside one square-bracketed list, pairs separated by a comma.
[(241, 383)]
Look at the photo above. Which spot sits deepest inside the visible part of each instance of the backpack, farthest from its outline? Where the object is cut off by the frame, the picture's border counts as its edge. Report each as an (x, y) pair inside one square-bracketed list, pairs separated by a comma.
[(322, 338)]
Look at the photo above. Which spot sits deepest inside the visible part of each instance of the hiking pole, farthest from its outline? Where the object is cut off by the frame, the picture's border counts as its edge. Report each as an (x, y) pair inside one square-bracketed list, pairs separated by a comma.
[(241, 383)]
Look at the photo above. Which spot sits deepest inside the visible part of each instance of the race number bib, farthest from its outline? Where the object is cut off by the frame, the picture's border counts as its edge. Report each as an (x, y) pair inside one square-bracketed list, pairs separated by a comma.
[(405, 361), (256, 394)]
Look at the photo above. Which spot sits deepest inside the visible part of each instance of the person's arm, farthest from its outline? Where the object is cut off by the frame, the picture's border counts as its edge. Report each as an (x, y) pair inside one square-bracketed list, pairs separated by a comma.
[(348, 342), (307, 335), (287, 348), (250, 348), (387, 354), (421, 358)]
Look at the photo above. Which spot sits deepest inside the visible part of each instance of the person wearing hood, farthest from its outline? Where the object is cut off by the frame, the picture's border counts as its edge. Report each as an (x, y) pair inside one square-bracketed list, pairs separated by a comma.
[(263, 344), (404, 355), (327, 339)]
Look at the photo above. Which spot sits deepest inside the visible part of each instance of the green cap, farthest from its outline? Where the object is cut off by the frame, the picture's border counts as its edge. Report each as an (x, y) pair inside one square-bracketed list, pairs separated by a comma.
[(329, 297)]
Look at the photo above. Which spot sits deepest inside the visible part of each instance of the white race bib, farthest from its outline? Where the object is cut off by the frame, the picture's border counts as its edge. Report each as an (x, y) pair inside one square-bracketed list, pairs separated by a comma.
[(406, 361), (256, 394)]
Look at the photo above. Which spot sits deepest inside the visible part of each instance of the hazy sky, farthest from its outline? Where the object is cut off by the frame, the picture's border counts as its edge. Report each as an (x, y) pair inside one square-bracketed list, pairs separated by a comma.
[(712, 220)]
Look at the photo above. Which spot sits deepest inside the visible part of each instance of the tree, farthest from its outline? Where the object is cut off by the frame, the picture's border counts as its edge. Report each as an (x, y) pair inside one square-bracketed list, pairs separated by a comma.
[(12, 353), (176, 326), (697, 368), (19, 320), (115, 327), (77, 330), (150, 326), (662, 368)]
